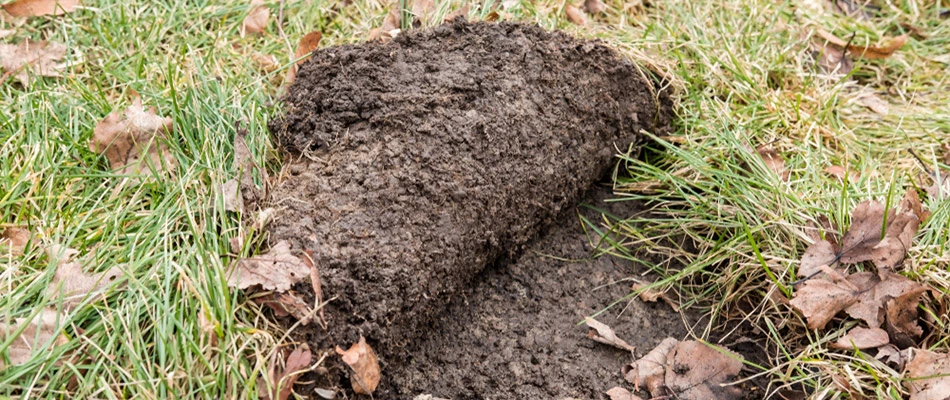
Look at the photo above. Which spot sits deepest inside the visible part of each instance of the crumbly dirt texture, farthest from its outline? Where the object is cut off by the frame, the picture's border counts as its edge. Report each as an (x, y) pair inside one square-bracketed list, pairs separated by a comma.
[(416, 164), (515, 334)]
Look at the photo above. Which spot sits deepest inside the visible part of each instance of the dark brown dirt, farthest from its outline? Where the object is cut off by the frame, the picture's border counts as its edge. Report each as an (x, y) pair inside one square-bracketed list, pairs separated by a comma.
[(514, 335), (418, 163)]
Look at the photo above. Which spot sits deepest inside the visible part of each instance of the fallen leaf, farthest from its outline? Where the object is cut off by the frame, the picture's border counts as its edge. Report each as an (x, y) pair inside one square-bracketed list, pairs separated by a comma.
[(461, 12), (308, 43), (256, 20), (602, 333), (595, 6), (867, 219), (285, 304), (37, 58), (842, 173), (902, 318), (297, 361), (862, 338), (71, 285), (927, 376), (362, 359), (575, 15), (278, 269), (874, 291), (135, 140), (420, 12), (619, 393), (832, 59), (820, 254), (874, 103), (652, 295), (773, 161), (13, 240), (39, 335), (231, 192), (36, 8), (940, 188), (819, 300), (868, 51), (207, 327), (649, 371), (893, 356), (696, 371)]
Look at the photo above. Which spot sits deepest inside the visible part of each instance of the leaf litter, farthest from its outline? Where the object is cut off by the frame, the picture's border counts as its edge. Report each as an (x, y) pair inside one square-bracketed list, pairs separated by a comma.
[(278, 269), (13, 240), (284, 378), (928, 375), (256, 20), (37, 58), (688, 370), (37, 8), (134, 141), (862, 338), (362, 360), (602, 333)]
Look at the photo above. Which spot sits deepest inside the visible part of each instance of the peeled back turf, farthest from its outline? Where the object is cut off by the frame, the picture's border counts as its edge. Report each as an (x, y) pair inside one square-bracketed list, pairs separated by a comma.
[(417, 163)]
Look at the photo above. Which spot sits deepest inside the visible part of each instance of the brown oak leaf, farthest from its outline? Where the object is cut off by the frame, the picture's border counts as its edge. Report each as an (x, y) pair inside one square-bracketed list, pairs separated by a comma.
[(40, 58), (134, 141), (278, 269)]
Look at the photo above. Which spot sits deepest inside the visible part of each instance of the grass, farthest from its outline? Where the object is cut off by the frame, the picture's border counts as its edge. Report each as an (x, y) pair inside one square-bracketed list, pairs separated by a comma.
[(743, 74)]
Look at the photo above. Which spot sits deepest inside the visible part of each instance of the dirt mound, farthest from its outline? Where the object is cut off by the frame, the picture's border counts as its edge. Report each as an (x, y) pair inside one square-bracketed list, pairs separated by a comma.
[(417, 163)]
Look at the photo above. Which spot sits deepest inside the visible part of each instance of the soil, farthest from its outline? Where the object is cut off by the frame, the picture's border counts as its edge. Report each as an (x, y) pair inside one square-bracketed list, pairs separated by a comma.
[(515, 334), (415, 165)]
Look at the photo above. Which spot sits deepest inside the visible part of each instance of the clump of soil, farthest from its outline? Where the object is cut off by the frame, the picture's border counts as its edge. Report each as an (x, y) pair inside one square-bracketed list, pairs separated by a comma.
[(515, 334), (417, 163)]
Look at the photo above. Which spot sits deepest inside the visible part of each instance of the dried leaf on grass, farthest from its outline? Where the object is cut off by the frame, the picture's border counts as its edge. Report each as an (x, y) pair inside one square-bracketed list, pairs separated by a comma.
[(619, 393), (868, 51), (71, 285), (297, 361), (40, 334), (863, 242), (575, 15), (36, 8), (927, 376), (843, 173), (308, 43), (687, 370), (595, 6), (874, 292), (832, 59), (278, 269), (421, 10), (862, 338), (602, 333), (773, 161), (40, 58), (285, 304), (256, 20), (134, 140), (901, 317), (13, 240), (819, 300), (893, 356), (874, 103), (362, 359), (652, 295)]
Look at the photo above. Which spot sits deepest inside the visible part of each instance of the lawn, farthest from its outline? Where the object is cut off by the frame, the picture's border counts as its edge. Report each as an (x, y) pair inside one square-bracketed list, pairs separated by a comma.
[(747, 75)]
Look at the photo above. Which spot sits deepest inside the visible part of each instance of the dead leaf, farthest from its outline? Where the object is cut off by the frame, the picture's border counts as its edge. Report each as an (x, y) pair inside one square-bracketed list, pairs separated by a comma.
[(278, 269), (594, 6), (602, 333), (286, 304), (773, 161), (928, 376), (308, 43), (231, 192), (874, 291), (619, 393), (874, 103), (256, 20), (71, 285), (649, 371), (902, 318), (831, 59), (868, 51), (651, 296), (13, 240), (696, 370), (36, 8), (575, 15), (420, 12), (862, 338), (940, 188), (362, 359), (867, 219), (297, 361), (820, 254), (462, 12), (893, 356), (135, 140), (842, 173), (40, 335), (37, 58), (819, 300)]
